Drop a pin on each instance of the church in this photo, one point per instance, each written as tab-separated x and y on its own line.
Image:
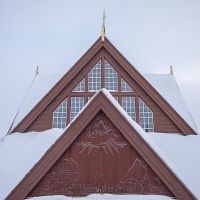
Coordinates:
96	130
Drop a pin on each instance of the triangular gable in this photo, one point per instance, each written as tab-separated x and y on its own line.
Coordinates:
135	135
99	48
100	160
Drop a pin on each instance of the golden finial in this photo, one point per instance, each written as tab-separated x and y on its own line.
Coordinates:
37	71
171	70
103	27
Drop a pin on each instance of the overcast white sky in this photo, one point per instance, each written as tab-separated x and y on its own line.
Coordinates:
53	34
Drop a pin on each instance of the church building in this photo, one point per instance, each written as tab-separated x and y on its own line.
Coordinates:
98	120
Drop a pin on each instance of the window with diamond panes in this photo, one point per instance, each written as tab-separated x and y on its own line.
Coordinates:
94	78
77	104
60	115
146	117
128	104
110	77
80	87
125	87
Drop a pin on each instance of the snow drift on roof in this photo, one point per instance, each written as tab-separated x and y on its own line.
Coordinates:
19	152
167	86
184	153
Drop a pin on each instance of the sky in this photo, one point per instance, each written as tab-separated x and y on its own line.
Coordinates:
53	34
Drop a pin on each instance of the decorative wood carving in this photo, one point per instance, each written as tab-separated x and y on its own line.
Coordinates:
100	160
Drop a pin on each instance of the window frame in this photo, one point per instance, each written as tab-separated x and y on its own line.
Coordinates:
119	94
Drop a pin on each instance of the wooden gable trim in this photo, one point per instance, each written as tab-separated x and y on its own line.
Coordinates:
150	90
42	104
147	87
98	103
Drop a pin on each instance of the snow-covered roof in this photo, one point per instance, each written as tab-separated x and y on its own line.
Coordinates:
165	84
39	88
183	154
21	151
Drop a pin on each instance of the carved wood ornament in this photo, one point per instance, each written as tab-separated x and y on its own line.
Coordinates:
100	160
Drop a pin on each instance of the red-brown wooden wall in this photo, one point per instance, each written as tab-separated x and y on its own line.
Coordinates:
100	160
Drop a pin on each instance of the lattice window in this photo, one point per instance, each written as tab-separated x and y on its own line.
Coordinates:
77	104
60	115
128	104
110	77
146	117
80	87
94	78
125	87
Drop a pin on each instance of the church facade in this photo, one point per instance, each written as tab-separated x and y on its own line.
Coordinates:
105	108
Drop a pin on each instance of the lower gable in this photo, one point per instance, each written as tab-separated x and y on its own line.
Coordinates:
100	160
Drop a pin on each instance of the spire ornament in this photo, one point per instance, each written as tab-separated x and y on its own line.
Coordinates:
37	71
103	32
171	70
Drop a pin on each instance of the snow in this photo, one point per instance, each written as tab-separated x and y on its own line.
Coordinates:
167	86
104	196
184	153
19	153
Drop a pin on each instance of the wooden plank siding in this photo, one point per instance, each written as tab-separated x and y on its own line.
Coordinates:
100	160
103	127
166	119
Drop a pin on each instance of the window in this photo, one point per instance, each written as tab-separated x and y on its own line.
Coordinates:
146	117
93	81
110	77
125	87
60	115
77	104
128	104
80	87
94	78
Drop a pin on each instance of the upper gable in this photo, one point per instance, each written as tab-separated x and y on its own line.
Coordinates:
157	115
